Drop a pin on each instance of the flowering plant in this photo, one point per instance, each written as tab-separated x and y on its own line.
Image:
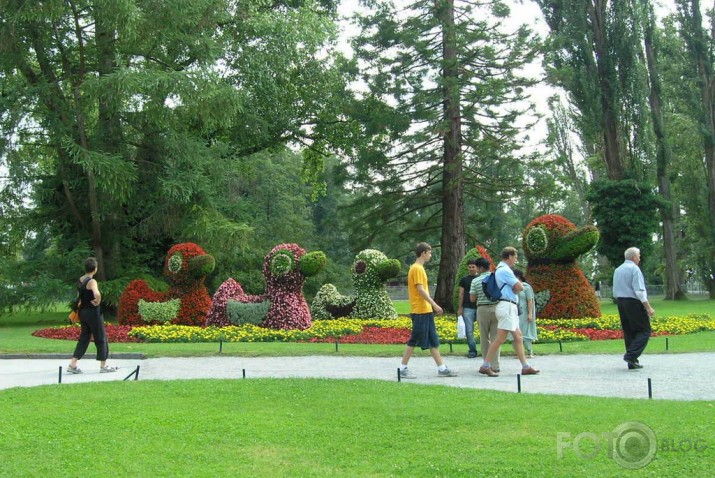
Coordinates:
185	267
378	331
285	268
552	244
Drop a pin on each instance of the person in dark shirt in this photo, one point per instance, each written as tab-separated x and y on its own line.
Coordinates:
468	308
91	321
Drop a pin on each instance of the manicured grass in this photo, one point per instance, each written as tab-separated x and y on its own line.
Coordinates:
318	428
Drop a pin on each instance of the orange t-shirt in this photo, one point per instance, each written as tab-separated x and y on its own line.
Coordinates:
417	275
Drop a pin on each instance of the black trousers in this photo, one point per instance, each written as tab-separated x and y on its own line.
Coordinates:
636	327
92	326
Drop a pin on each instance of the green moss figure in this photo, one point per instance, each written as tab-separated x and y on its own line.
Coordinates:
370	270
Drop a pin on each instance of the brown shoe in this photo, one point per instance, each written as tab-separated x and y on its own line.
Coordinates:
529	371
488	372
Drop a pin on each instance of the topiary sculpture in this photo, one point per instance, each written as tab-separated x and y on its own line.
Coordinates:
282	306
185	303
552	244
370	270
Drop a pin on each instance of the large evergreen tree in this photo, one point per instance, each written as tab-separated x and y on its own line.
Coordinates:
443	102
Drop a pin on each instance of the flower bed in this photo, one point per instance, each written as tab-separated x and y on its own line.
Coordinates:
376	331
115	333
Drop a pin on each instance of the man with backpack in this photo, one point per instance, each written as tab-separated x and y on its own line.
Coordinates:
507	314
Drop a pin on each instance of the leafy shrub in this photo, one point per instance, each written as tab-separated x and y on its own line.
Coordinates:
161	312
240	313
312	263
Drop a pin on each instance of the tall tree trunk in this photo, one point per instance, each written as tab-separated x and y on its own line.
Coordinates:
77	78
611	143
109	127
673	290
700	50
452	240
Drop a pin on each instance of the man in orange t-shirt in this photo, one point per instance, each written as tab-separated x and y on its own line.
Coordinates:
422	309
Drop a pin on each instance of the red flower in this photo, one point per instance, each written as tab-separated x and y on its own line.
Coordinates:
373	335
115	333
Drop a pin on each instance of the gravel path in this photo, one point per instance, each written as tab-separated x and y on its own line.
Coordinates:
672	376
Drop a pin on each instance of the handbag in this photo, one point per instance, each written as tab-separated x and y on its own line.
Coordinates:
461	328
74	317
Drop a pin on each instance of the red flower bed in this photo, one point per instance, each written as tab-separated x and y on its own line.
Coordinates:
115	333
598	334
373	335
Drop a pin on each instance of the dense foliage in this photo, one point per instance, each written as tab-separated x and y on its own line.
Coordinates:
625	212
130	126
126	127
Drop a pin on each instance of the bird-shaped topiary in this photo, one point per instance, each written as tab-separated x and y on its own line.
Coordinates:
185	303
552	244
370	270
283	305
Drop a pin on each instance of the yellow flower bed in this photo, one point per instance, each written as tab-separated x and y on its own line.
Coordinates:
446	329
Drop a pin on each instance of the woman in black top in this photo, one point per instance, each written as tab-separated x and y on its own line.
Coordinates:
91	320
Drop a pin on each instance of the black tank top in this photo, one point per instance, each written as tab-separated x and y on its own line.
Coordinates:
86	295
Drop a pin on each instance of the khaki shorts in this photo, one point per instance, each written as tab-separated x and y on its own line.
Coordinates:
507	316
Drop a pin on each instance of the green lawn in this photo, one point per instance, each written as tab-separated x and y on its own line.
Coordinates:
320	428
316	428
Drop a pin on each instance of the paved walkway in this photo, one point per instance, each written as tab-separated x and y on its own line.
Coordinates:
673	376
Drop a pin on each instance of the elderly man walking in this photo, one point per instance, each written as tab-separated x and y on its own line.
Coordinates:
633	306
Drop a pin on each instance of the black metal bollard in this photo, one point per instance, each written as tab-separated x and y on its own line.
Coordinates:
518	383
135	373
60	377
650	389
561	348
399	378
244	373
666	343
450	347
336	345
220	346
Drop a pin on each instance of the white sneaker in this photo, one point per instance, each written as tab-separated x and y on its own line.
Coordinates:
107	369
406	373
74	370
447	373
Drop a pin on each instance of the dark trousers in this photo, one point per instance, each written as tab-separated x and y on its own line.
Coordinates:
636	327
92	326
